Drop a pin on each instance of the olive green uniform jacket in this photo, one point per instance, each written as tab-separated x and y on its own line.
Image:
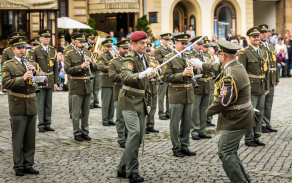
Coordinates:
130	100
115	68
103	65
12	73
256	66
172	72
230	119
72	66
7	54
47	62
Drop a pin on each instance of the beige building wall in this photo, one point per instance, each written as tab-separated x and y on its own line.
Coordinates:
78	10
249	14
154	6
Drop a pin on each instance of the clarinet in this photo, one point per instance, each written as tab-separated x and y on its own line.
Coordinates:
90	74
37	90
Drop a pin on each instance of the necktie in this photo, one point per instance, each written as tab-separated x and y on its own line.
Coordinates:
259	52
267	46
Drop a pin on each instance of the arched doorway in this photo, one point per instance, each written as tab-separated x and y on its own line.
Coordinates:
224	19
179	17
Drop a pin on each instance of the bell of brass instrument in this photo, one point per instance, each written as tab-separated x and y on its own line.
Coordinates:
112	54
101	37
37	90
85	48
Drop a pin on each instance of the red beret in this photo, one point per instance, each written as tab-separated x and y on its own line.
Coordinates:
138	35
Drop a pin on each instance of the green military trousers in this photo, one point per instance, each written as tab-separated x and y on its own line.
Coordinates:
199	114
135	124
162	93
150	116
69	101
211	100
80	110
23	140
253	134
44	100
120	125
266	122
180	124
227	151
108	107
94	99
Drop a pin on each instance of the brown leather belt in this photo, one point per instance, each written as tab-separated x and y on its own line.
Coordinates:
238	107
118	83
103	73
273	69
73	77
180	85
204	79
49	73
22	95
133	89
256	76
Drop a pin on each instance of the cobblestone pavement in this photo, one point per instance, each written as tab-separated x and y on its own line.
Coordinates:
61	159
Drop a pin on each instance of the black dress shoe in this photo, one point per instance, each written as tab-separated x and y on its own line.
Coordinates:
86	137
122	145
70	116
167	117
207	124
188	152
112	123
49	129
265	130
195	137
31	170
105	124
135	177
152	130
178	154
205	136
251	144
78	138
123	175
210	123
19	172
91	106
271	129
146	131
96	106
259	143
162	118
42	130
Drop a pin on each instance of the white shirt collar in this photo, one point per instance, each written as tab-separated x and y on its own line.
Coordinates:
18	59
256	49
45	48
229	63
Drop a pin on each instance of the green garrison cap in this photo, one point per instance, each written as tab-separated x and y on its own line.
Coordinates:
91	35
182	37
123	44
45	32
196	38
79	37
166	36
148	48
264	27
254	31
107	42
14	35
227	47
206	43
34	41
18	41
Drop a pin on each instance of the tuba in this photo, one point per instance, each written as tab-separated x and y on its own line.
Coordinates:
101	37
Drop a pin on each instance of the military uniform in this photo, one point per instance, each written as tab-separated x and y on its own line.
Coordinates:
33	42
255	63
115	67
7	53
94	99
274	79
134	97
202	97
236	113
22	110
80	89
181	99
159	54
106	85
47	60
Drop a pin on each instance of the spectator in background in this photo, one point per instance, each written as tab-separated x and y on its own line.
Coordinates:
157	42
176	31
150	40
61	46
274	32
111	36
213	43
289	49
60	61
233	36
123	38
244	42
271	38
281	56
121	34
240	40
191	32
130	32
277	39
280	45
287	36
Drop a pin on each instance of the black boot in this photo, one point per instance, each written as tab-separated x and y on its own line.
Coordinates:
135	177
152	130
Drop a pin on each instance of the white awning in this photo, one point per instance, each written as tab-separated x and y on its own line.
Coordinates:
68	23
113	6
28	4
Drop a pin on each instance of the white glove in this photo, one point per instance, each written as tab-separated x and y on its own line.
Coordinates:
256	110
87	59
148	109
149	71
196	62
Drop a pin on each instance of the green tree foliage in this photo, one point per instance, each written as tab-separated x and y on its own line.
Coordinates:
91	23
143	25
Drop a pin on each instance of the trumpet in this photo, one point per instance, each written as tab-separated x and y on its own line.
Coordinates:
194	77
37	90
85	48
112	54
157	74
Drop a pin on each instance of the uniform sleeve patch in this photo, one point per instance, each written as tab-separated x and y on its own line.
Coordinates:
130	66
4	73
